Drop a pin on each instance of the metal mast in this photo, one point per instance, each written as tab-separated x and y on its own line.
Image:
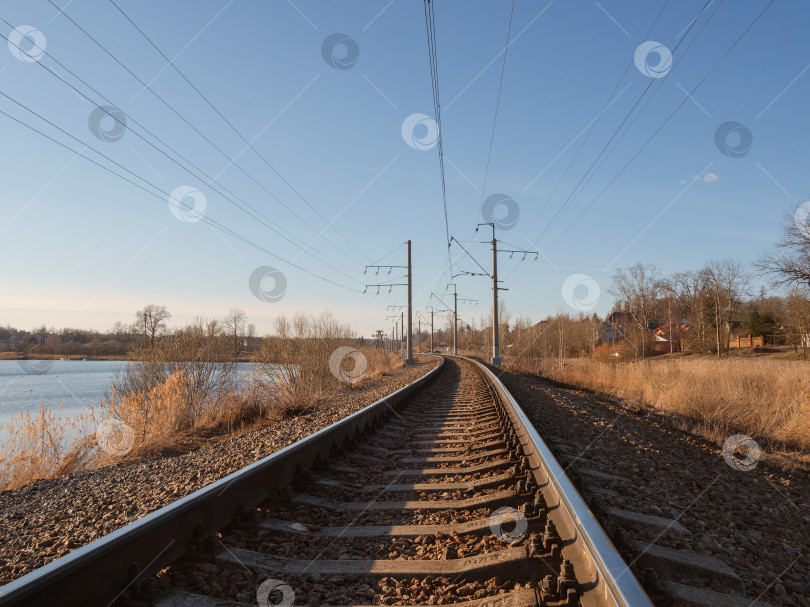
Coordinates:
409	359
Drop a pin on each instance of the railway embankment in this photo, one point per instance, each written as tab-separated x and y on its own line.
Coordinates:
49	518
735	502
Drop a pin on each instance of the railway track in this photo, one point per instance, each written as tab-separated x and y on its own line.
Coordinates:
441	493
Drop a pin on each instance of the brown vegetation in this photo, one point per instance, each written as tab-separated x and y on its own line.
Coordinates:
766	399
43	446
297	364
188	383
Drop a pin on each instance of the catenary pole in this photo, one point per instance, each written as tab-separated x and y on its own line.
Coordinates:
409	336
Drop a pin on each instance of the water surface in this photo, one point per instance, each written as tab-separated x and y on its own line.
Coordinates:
76	385
25	385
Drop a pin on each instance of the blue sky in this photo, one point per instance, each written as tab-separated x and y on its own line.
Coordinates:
82	247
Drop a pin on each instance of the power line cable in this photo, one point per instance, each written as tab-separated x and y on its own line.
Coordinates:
652	96
203	218
391	252
263	221
242	137
608	101
646	103
663	124
572	196
430	24
174	110
470	256
497	103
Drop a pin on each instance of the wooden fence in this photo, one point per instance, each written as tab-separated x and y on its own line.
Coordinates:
761	341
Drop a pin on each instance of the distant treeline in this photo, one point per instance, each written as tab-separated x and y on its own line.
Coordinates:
124	340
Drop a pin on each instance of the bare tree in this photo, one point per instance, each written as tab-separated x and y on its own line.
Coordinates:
689	290
54	343
234	324
727	283
119	329
789	264
151	321
637	288
200	353
797	317
294	363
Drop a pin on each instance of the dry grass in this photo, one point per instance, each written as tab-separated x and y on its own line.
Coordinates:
163	417
43	446
149	422
766	399
297	386
380	362
302	363
153	414
164	421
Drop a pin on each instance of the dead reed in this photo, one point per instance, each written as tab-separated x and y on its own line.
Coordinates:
158	404
768	400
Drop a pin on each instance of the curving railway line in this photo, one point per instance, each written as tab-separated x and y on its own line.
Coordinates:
441	493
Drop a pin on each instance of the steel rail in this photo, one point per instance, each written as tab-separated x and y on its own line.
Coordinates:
103	571
615	582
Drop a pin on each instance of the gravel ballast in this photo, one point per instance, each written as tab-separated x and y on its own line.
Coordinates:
343	568
49	518
756	521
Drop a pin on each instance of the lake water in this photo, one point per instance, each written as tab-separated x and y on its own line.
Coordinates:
75	384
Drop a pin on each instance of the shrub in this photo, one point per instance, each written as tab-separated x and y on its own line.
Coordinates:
201	353
44	445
